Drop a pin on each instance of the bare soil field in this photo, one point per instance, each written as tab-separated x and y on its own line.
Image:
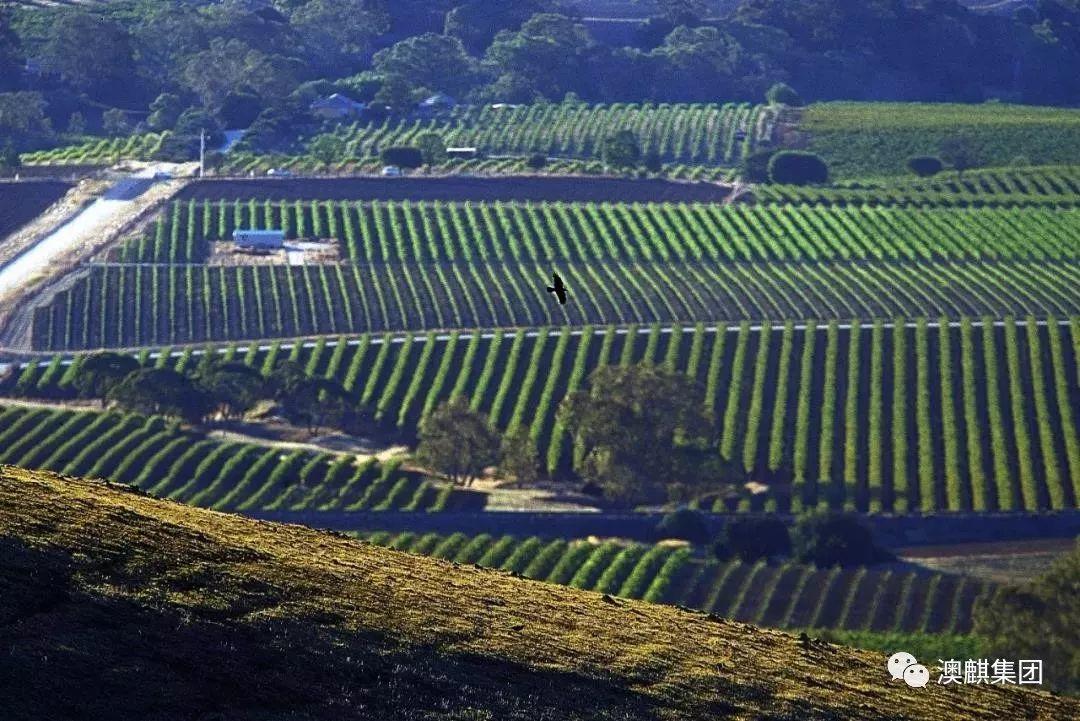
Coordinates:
22	201
457	188
1000	562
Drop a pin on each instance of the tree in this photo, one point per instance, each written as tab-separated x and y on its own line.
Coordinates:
164	112
22	118
430	61
959	152
76	123
314	402
645	435
476	22
925	166
114	122
239	109
195	120
751	539
537	161
326	148
621	149
826	538
432	148
161	391
653	162
227	66
783	94
1040	619
519	459
338	33
550	50
9	157
754	168
686	524
99	372
233	388
457	442
404	156
793	167
90	52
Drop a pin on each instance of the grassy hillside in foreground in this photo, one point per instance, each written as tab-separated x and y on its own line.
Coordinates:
872	139
117	604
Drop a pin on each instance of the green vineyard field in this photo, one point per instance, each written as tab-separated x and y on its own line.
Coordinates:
424	266
156	456
713	134
102	150
873	418
882	599
868	139
1049	187
513	231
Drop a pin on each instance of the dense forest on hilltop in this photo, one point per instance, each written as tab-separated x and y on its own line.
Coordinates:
139	65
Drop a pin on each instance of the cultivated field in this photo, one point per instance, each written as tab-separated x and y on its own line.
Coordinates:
883	599
432	265
157	456
101	151
867	139
22	201
706	134
901	418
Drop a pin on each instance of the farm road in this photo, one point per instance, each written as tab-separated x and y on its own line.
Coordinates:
175	351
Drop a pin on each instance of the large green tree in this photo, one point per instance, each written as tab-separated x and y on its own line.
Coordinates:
337	33
645	435
549	50
161	391
1039	620
429	61
457	442
90	52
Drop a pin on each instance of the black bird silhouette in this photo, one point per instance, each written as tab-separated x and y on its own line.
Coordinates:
558	289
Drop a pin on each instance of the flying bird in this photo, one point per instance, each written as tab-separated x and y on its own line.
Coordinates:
558	288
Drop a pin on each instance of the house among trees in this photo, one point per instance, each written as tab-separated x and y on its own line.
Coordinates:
437	103
336	106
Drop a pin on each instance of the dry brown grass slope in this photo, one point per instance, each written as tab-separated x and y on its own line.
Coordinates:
116	605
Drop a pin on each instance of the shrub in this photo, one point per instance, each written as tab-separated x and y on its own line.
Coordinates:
755	167
686	524
829	539
783	94
925	166
537	161
793	167
404	156
751	539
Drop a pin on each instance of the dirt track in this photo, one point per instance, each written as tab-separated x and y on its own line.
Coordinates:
457	188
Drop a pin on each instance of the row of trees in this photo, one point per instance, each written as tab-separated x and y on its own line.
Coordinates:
216	389
642	434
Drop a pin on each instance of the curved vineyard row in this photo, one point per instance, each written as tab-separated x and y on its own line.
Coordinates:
159	458
820	414
143	305
714	134
502	231
888	598
100	150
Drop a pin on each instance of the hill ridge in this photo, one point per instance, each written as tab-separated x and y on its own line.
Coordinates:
311	625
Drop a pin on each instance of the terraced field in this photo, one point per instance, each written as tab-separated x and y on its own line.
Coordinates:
888	598
158	457
969	415
712	134
420	266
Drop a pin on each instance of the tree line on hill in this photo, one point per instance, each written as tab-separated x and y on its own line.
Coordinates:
142	65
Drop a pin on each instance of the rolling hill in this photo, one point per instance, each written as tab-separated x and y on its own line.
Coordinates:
117	605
